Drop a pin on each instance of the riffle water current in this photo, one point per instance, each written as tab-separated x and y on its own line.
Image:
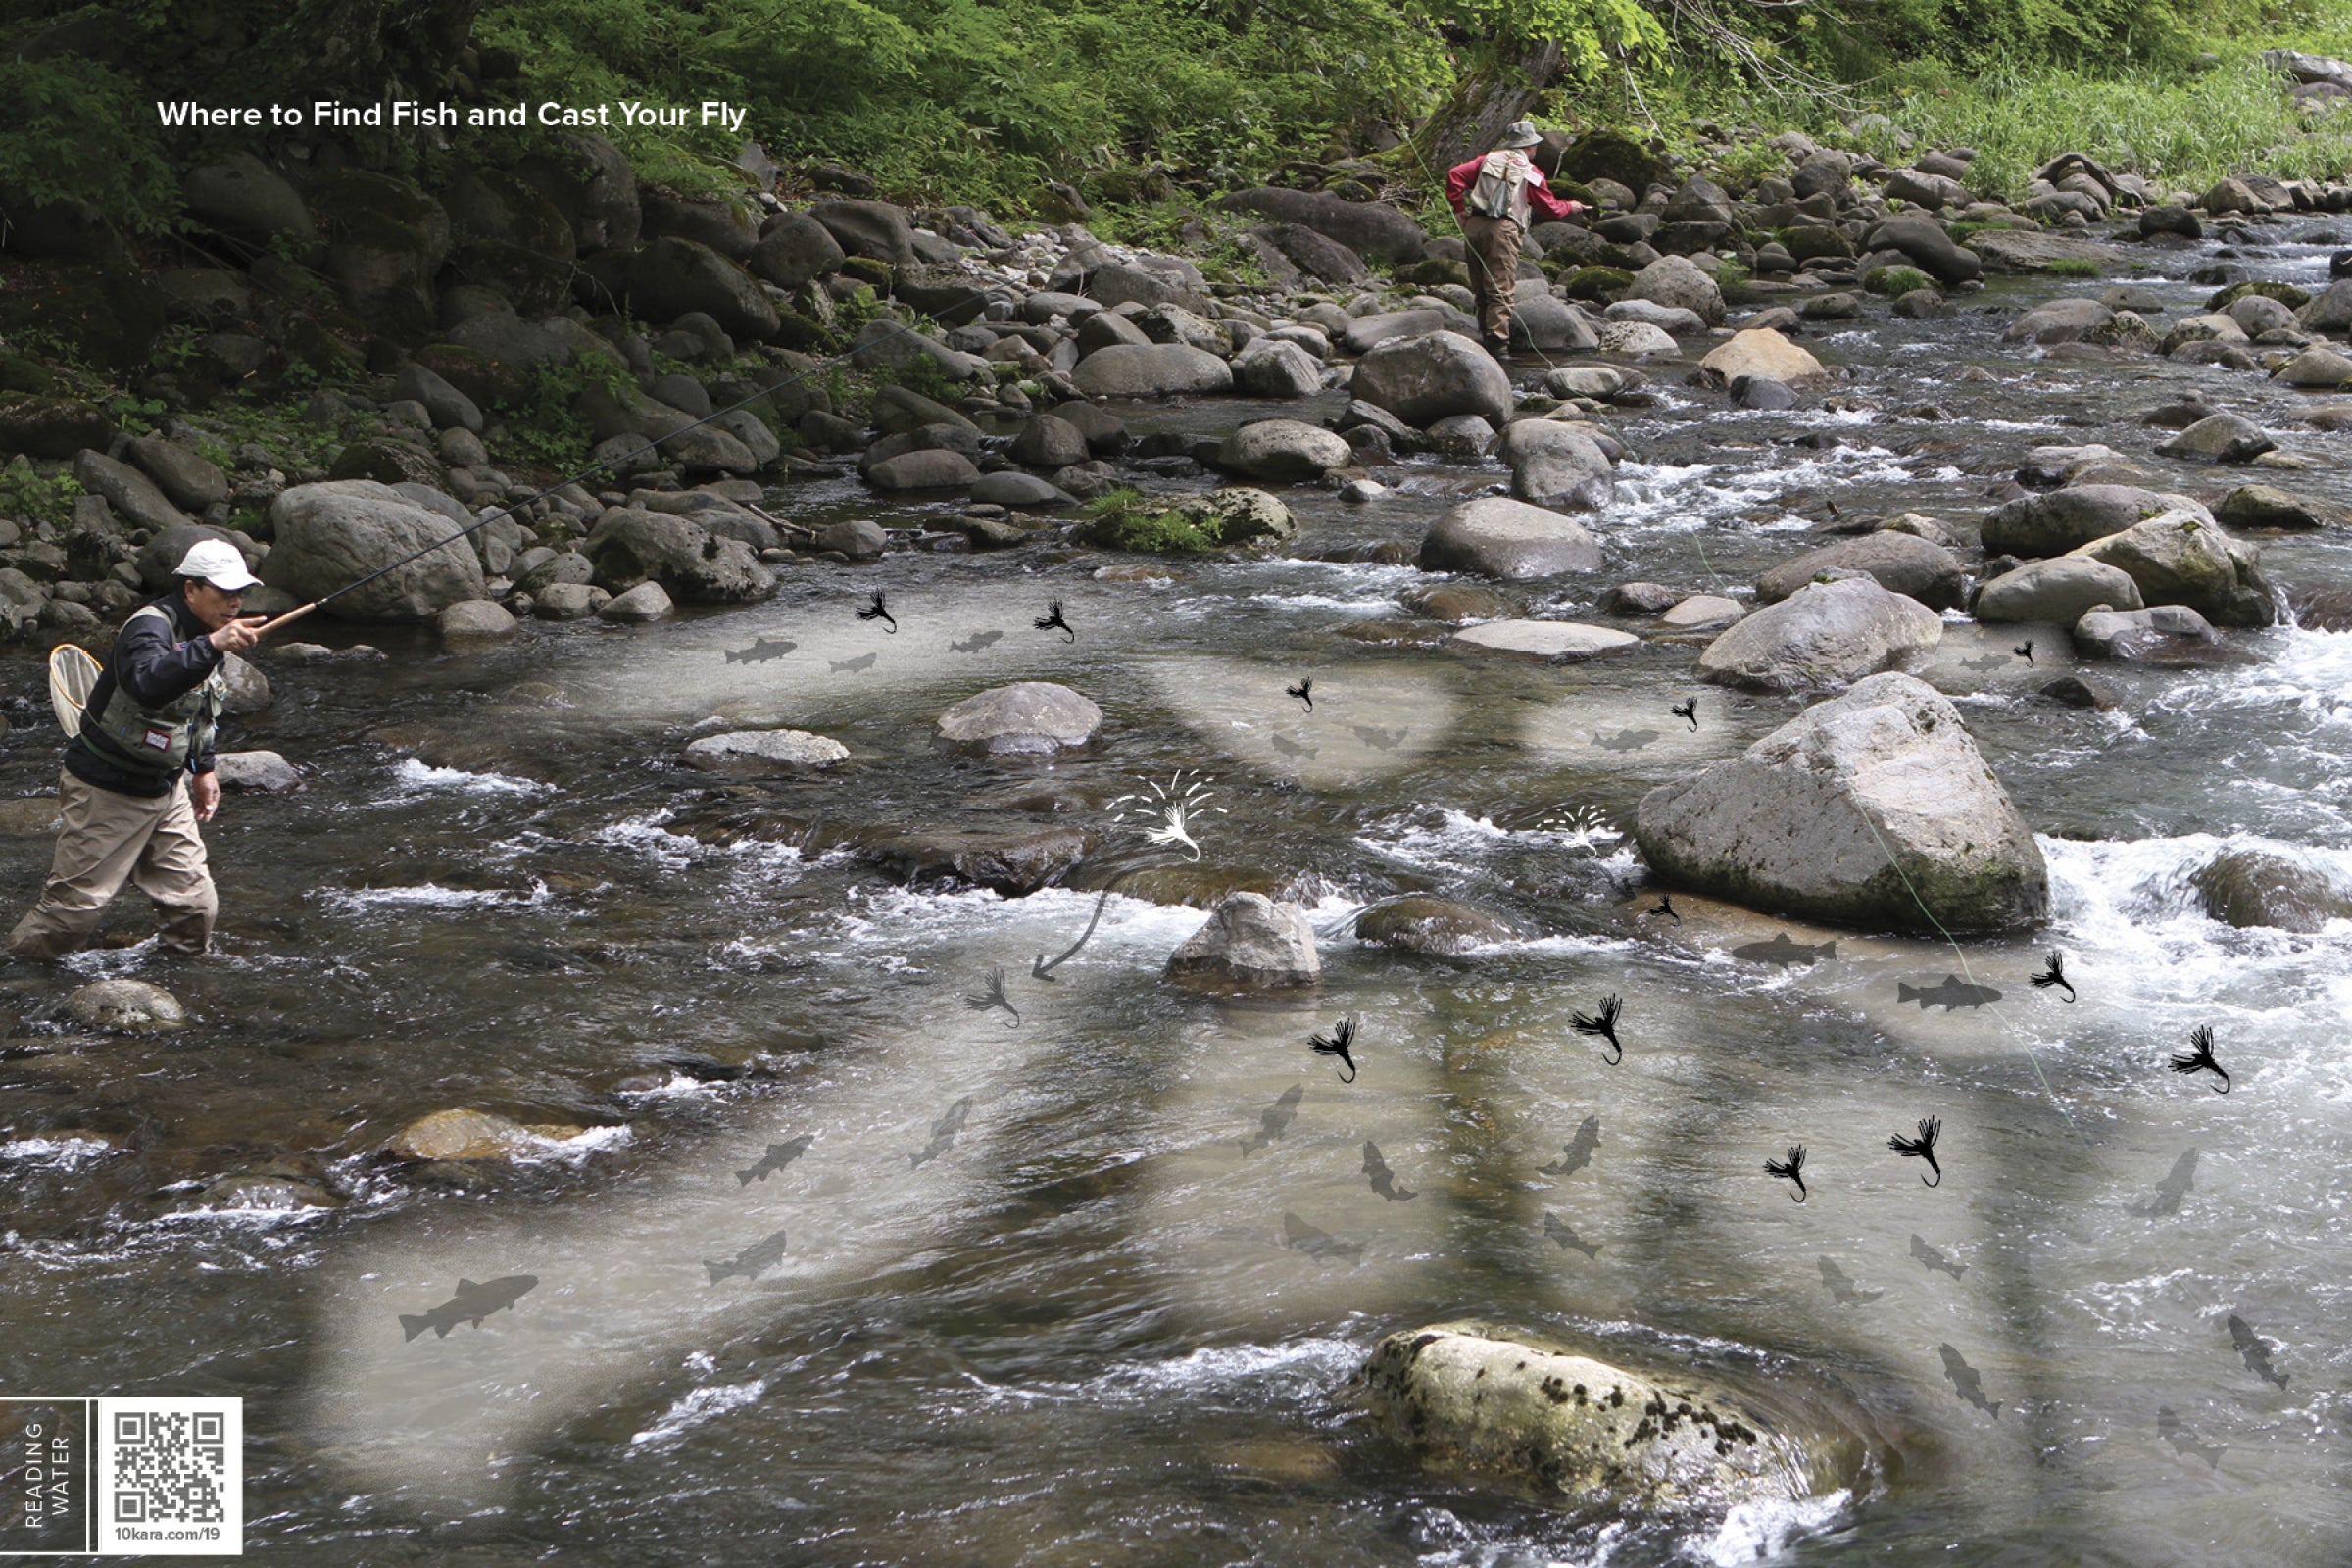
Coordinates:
1074	1333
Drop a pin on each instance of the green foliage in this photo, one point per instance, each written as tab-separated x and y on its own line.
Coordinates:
136	415
28	495
1897	281
546	430
75	131
1124	520
2073	266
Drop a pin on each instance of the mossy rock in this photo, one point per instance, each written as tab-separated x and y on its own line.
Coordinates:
1808	241
537	284
865	270
796	332
52	428
1613	155
1435	273
477	374
388	463
21	375
2286	294
387	239
1184	524
307	342
1596	284
105	317
1895	281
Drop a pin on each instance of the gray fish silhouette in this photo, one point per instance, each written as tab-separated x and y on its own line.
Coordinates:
1576	1155
1289	747
1275	1121
977	642
1780	950
2255	1351
2184	1442
944	1131
2171	1190
778	1157
1625	740
761	652
761	1255
1299	1235
1989	662
1951	995
1384	1180
1386	740
1966	1382
473	1303
1841	1286
1557	1229
1932	1258
860	662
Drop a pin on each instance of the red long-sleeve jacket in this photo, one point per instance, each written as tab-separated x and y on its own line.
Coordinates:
1539	199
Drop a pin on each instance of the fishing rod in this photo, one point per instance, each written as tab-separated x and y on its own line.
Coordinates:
300	610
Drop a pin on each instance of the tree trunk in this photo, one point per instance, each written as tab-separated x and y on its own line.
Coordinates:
1486	98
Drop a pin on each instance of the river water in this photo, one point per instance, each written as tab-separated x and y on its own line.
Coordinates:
1074	1333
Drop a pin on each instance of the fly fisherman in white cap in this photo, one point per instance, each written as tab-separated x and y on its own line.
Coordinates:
1493	197
140	774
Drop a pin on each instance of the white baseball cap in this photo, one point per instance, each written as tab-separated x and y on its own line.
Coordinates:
218	562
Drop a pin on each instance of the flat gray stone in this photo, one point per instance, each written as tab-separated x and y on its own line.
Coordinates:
1545	639
762	749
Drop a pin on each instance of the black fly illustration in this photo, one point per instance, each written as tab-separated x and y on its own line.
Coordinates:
1665	908
878	610
1688	711
1791	1169
2055	975
992	995
1305	691
1920	1147
1339	1043
2199	1058
1052	620
2025	649
1604	1026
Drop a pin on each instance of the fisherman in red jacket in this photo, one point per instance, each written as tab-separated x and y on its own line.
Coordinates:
1492	196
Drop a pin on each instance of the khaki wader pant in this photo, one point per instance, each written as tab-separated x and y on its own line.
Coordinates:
106	839
1493	271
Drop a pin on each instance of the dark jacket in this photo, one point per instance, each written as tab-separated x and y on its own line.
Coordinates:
154	665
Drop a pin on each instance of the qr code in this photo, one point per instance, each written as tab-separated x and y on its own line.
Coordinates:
170	1467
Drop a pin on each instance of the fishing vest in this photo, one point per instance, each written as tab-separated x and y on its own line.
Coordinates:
1501	190
154	740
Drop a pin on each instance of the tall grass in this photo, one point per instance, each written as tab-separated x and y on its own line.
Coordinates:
2179	130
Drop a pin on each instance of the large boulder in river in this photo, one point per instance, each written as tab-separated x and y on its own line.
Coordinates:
1804	821
1364	333
2061	589
1555	464
1929	245
2059	520
1250	939
1283	450
1372	229
1759	352
330	535
1496	537
2179	558
1824	634
1424	379
1477	1397
1900	563
1026	716
1150	370
126	1005
2253	886
630	545
1677	282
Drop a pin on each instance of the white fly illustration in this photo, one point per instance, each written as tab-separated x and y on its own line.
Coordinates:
1175	807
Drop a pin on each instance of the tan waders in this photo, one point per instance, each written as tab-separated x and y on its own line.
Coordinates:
1494	273
106	839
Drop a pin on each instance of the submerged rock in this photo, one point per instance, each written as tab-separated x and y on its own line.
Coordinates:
764	750
1030	716
1468	1395
473	1135
1419	923
1804	821
1250	939
1498	537
2259	888
1013	862
126	1005
266	772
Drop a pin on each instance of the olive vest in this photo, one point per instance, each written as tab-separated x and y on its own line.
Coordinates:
157	741
1501	190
